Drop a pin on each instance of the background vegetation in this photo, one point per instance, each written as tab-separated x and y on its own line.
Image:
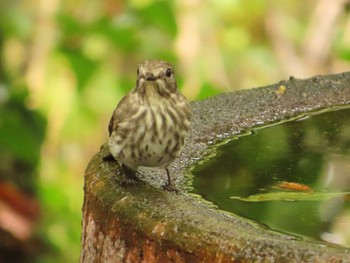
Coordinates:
64	65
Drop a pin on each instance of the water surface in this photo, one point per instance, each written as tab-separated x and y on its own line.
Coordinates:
305	158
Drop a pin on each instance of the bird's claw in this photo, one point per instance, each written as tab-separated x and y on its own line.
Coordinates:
170	188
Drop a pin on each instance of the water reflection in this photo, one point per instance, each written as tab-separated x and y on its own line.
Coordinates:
314	152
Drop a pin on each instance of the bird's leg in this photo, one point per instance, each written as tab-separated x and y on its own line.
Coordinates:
129	175
169	186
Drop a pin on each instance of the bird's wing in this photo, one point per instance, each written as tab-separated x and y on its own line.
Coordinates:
124	110
110	125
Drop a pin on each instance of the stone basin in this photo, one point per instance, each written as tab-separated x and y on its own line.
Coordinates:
142	223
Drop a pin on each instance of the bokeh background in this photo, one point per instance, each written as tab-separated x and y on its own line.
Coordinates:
64	65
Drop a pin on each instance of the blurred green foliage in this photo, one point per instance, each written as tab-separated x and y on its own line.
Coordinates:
66	64
22	134
22	129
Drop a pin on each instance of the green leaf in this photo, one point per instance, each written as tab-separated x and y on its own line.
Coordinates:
290	196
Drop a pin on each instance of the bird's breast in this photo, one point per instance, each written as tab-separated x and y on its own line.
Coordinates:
155	137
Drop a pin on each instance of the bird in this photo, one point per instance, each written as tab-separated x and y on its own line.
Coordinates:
149	125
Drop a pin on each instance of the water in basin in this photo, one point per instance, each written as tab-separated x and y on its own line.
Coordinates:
293	177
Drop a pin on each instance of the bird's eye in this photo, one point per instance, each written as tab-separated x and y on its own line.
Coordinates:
168	72
138	71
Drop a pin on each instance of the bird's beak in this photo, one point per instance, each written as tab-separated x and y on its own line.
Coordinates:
149	76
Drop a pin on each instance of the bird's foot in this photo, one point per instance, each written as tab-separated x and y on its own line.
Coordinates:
130	176
129	181
170	187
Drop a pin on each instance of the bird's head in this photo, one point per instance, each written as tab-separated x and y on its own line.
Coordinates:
156	76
